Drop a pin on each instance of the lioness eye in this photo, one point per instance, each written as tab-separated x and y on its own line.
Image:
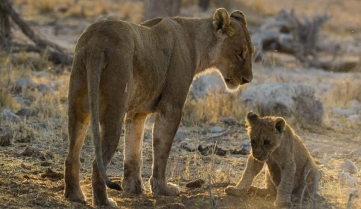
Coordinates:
266	142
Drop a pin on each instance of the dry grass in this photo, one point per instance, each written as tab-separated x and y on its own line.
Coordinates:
214	106
23	174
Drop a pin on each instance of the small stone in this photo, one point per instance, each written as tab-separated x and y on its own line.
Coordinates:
48	134
175	149
353	118
349	166
195	183
341	112
23	112
184	144
26	139
44	88
41	125
316	153
49	173
346	180
180	134
324	160
46	163
9	115
5	140
23	101
228	121
246	143
23	83
204	131
215	129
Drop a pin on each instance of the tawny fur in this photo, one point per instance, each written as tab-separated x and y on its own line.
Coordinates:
123	69
291	171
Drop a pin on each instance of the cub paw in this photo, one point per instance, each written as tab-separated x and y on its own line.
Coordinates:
109	202
233	191
166	190
283	204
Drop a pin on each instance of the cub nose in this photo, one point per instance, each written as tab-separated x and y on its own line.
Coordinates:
246	79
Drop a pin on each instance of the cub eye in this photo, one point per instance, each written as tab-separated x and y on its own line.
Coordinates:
240	55
253	142
266	142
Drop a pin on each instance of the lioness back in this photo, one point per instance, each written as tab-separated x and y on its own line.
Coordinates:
290	167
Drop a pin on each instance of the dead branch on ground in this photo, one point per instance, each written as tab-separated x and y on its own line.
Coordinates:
288	34
54	52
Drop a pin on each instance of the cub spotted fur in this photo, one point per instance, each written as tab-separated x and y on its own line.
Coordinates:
290	168
127	71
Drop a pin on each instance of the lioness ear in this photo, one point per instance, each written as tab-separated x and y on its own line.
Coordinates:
238	15
221	23
280	125
251	118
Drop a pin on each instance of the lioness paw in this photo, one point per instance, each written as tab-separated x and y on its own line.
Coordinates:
75	196
233	191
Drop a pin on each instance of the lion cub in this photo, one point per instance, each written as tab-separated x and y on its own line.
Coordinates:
290	168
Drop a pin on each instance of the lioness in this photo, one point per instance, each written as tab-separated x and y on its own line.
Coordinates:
290	168
123	69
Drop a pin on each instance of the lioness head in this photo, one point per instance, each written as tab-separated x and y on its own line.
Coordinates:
265	134
233	53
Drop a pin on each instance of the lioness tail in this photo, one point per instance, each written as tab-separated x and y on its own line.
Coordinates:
95	65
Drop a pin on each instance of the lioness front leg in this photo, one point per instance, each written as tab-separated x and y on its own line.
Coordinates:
253	167
165	127
284	190
134	131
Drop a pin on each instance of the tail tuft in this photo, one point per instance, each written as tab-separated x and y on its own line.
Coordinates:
113	185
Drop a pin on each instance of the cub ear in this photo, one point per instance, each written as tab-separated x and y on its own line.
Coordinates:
280	125
222	24
238	15
251	118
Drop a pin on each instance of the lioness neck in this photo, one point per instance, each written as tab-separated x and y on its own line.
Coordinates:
202	33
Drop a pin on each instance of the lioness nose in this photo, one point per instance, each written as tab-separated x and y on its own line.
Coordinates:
246	79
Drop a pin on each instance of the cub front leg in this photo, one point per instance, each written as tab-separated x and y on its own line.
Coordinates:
253	167
284	190
165	127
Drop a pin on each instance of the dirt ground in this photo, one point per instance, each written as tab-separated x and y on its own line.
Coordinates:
31	165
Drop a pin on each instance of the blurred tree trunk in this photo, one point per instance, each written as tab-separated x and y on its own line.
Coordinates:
161	8
204	4
5	29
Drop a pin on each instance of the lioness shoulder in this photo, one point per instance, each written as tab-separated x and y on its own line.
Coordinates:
291	171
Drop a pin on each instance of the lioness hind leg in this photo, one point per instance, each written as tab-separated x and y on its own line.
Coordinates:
134	131
112	110
78	115
111	128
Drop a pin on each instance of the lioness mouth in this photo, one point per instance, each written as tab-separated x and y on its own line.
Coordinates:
231	84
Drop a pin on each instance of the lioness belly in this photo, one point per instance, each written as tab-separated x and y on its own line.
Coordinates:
144	101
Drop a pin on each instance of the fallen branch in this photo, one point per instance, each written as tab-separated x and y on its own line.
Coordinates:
54	52
288	34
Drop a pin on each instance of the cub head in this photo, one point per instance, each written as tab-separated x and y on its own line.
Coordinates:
265	134
234	49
